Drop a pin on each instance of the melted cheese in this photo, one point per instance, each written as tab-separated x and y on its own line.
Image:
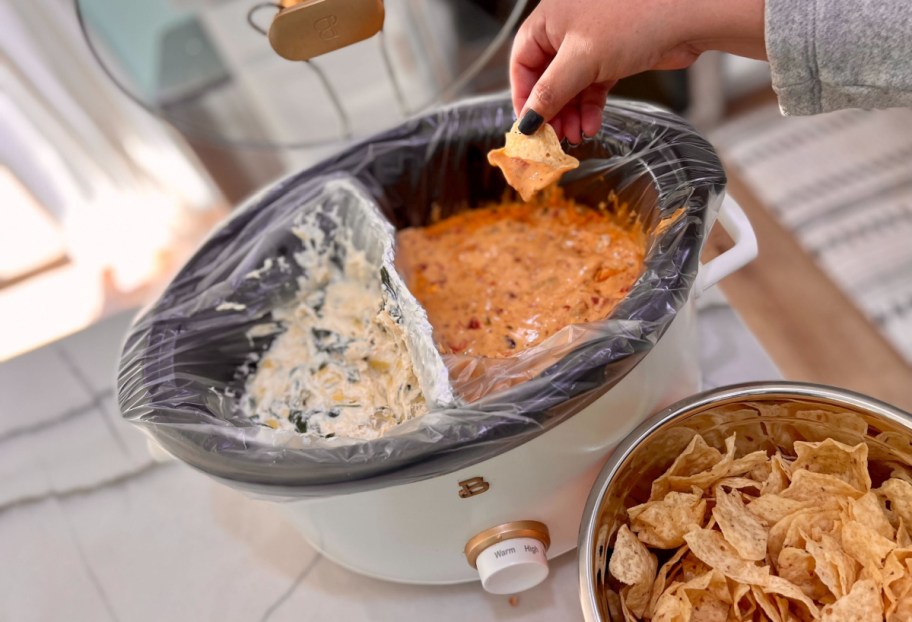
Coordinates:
499	279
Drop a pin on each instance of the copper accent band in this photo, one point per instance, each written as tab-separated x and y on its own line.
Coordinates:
507	531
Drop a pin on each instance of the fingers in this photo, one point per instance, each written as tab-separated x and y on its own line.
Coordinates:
529	57
582	117
557	84
592	102
563	79
522	79
570	116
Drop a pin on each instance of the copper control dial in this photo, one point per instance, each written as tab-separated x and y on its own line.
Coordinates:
511	557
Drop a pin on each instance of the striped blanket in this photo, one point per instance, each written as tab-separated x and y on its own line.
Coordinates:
842	182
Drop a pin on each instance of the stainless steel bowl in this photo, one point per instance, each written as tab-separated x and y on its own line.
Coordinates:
791	411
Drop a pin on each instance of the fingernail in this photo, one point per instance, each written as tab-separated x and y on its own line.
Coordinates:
530	122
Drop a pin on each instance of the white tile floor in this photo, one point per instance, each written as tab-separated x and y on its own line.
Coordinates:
39	387
92	353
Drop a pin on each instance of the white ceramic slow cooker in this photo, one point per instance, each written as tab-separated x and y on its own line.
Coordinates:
498	514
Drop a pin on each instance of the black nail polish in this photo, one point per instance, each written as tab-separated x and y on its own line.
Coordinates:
530	122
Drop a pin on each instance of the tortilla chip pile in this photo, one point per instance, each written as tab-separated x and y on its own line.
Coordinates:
760	538
532	163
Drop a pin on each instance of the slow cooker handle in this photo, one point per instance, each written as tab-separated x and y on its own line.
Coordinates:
735	222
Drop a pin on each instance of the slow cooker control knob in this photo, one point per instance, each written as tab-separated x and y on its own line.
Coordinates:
511	557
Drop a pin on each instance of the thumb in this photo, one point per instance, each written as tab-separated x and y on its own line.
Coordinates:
564	78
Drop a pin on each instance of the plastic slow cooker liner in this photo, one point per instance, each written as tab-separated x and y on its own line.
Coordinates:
182	359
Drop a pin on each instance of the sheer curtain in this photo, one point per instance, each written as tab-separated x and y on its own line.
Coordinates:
122	184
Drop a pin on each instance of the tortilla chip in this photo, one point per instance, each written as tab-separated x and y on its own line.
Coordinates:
779	477
872	573
835	568
672	606
901	611
862	604
848	463
896	577
868	511
532	163
719	588
899	495
662	524
812	524
726	466
696	458
747	484
900	470
703	582
819	489
773	508
629	615
706	607
692	566
903	539
797	566
709	596
759	473
766	604
796	528
782	587
864	544
739	527
613	602
704	598
658	586
737	591
748	463
743	603
632	564
715	551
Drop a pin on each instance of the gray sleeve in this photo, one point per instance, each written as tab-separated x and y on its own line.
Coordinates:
831	54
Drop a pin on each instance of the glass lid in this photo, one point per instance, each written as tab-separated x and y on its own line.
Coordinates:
298	73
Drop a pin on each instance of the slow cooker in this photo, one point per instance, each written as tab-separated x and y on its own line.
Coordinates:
489	489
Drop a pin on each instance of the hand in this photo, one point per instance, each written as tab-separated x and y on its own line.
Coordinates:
569	53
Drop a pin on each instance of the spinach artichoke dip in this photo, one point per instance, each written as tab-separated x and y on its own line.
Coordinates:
341	367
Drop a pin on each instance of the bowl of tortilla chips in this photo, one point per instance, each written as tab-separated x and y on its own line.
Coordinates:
764	501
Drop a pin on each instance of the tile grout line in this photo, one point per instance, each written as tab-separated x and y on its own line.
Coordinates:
61	418
84	560
84	382
79	491
284	596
